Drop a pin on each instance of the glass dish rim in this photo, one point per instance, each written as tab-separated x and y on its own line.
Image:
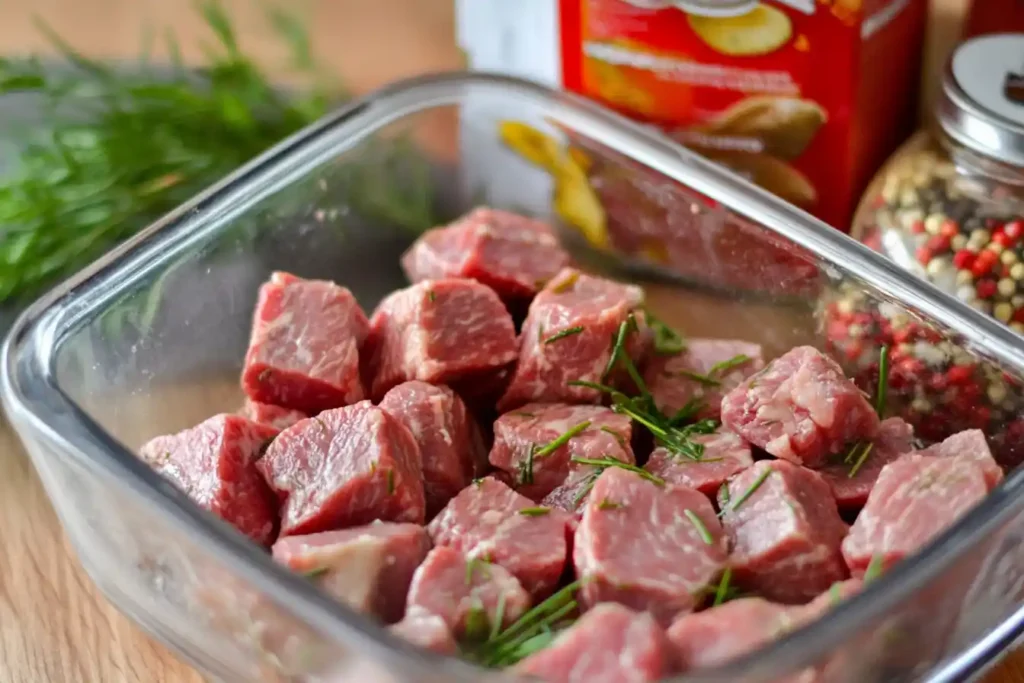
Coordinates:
32	395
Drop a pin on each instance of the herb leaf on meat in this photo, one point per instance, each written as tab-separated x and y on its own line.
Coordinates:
667	341
473	565
562	334
606	462
862	457
722	593
538	511
702	529
525	469
882	389
754	486
316	573
562	439
874	569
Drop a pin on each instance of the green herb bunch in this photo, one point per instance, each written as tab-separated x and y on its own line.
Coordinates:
116	149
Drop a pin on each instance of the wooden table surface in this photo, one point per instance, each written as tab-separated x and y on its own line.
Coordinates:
54	626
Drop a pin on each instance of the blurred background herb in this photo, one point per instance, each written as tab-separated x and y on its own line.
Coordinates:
116	148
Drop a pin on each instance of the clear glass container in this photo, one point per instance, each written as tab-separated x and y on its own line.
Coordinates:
150	340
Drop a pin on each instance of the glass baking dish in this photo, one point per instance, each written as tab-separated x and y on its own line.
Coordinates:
150	340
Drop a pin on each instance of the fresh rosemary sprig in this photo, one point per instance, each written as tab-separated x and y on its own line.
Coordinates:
562	334
750	490
859	452
667	341
698	524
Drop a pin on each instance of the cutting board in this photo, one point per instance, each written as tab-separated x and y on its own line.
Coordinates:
54	625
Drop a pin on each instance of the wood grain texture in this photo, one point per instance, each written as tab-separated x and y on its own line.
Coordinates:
54	626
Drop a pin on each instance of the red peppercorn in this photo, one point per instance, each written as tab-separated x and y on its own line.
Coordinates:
949	228
917	227
938	382
1018	316
983	264
986	289
982	414
964	259
924	256
960	374
938	244
1014	230
1002	239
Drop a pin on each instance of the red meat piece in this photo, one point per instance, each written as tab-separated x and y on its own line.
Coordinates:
451	446
785	531
724	455
273	416
467	594
895	437
512	254
609	644
705	371
567	336
596	432
723	633
213	463
830	599
345	467
915	498
368	568
800	408
970	444
454	332
649	547
426	631
304	349
487	521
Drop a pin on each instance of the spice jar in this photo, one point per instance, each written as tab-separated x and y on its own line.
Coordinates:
949	207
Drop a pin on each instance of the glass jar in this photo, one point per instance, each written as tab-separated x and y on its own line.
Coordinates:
949	207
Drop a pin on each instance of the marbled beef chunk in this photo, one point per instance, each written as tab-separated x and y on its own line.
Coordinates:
785	531
800	408
915	498
895	437
452	449
273	416
343	468
647	546
368	568
568	336
454	331
213	463
304	349
973	445
724	455
490	521
512	254
705	371
608	644
523	440
426	631
468	594
720	634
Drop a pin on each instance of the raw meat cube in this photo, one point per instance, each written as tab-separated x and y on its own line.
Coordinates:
490	521
213	463
368	568
785	531
915	498
895	437
609	644
724	455
346	467
452	449
273	416
427	631
836	594
800	408
304	349
454	332
971	444
512	254
466	593
523	441
569	335
705	371
650	547
723	633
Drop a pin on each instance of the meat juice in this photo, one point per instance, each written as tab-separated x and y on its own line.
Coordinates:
784	92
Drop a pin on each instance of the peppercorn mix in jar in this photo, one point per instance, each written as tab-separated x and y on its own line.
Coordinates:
949	207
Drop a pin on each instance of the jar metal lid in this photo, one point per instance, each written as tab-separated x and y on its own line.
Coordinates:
982	102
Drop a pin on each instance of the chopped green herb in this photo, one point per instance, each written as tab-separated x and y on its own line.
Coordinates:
499	617
618	437
607	504
750	490
723	587
478	625
373	466
478	482
566	283
472	565
431	296
875	568
883	381
526	467
391	482
607	462
702	530
588	484
316	573
562	439
723	495
667	342
538	511
706	380
562	334
722	367
618	349
540	333
834	594
861	459
687	412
